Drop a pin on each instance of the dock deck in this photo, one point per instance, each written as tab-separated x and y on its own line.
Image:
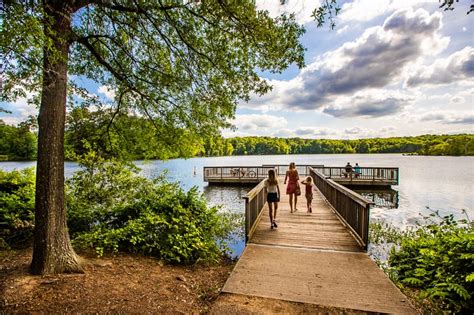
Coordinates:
312	258
364	176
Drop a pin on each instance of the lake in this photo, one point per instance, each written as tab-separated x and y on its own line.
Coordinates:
438	182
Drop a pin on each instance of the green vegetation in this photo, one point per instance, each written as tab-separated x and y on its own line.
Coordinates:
435	261
111	208
17	143
183	65
17	203
133	138
136	138
424	145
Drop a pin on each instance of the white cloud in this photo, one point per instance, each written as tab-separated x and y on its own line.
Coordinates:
301	8
372	61
342	30
20	110
107	91
353	130
366	10
459	66
255	122
449	117
370	103
464	29
387	129
314	132
457	99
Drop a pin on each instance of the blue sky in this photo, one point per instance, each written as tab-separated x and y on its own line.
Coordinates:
389	68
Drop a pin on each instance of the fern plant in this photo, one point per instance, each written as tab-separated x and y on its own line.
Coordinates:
438	260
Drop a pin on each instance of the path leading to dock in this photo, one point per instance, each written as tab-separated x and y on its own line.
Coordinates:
312	258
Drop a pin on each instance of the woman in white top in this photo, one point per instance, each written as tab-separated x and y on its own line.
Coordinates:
273	196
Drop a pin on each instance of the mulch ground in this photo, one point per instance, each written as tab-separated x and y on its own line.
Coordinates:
115	284
130	284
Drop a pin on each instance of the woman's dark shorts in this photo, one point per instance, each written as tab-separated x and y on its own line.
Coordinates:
272	197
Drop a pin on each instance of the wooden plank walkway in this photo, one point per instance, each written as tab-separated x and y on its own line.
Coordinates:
312	258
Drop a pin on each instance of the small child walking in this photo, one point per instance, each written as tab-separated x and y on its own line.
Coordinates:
273	196
308	182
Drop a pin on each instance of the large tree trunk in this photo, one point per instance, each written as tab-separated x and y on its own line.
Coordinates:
52	250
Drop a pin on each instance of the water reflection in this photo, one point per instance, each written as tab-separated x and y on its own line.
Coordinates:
387	199
230	198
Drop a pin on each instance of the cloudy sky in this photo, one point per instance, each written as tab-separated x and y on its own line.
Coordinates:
389	68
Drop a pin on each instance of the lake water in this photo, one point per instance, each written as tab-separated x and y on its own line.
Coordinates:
440	183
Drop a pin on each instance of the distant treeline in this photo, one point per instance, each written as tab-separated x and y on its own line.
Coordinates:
132	137
462	144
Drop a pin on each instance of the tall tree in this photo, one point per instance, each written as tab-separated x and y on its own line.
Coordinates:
182	64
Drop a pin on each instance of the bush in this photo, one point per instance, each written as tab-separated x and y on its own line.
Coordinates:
436	260
111	208
17	204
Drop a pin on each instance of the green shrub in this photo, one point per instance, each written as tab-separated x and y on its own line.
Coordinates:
111	208
17	204
436	260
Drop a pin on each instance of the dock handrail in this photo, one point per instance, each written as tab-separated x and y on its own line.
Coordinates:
256	173
303	170
352	208
363	173
254	202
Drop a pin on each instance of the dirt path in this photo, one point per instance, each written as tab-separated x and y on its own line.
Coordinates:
121	284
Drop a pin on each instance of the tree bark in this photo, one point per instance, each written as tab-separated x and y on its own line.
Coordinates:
52	250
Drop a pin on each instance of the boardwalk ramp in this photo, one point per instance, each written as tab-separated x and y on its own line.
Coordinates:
313	258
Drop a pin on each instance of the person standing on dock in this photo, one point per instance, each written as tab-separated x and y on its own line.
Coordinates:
357	170
293	186
308	182
273	197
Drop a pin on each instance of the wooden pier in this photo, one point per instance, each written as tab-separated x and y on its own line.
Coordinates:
317	258
364	176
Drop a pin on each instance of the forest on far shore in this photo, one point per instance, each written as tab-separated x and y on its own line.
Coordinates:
136	138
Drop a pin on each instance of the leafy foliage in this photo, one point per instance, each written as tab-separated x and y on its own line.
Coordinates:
448	5
436	259
328	10
124	136
17	202
111	208
18	143
182	64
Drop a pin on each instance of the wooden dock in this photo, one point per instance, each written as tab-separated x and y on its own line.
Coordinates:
364	176
312	258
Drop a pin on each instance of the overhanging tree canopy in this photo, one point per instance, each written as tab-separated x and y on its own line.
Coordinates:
183	64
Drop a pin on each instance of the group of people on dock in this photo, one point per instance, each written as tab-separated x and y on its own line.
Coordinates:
349	170
293	189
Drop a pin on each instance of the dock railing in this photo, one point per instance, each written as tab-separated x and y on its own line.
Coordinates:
254	202
255	173
352	208
303	170
363	173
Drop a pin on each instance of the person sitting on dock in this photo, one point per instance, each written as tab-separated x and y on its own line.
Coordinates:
293	186
273	197
348	169
357	170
